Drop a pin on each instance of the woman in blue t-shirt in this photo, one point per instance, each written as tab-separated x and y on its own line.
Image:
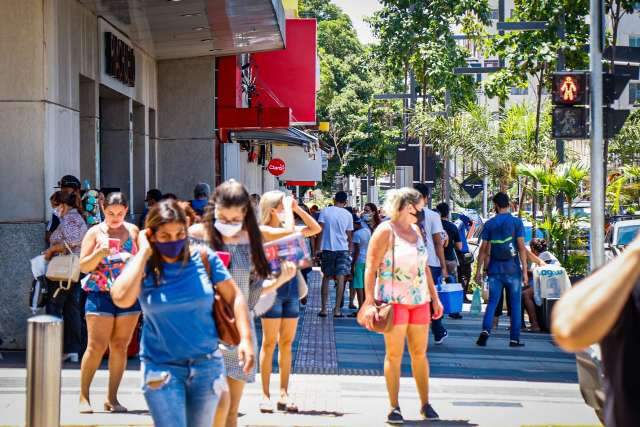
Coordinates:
183	370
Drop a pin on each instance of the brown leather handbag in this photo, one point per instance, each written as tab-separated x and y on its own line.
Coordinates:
384	309
223	313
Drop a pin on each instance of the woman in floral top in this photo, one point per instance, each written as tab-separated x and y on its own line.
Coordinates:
105	250
68	236
397	272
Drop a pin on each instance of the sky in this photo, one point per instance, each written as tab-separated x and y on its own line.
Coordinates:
357	11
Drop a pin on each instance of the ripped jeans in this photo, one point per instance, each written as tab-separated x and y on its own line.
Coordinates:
186	393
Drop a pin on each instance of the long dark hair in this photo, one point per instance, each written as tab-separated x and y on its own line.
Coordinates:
376	214
165	212
233	194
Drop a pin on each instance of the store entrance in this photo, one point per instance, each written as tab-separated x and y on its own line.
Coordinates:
115	141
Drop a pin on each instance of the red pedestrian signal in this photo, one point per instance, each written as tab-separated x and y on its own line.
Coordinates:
570	88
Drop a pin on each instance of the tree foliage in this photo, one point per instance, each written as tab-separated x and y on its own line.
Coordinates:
349	77
528	53
417	35
624	149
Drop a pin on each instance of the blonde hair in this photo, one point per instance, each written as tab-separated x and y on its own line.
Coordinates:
397	200
269	200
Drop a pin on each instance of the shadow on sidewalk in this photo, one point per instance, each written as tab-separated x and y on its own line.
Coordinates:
441	423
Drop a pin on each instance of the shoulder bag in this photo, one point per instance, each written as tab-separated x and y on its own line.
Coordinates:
64	268
223	314
384	309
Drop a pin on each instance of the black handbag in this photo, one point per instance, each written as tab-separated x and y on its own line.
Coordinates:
39	295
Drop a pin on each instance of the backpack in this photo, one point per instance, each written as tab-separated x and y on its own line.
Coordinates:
504	249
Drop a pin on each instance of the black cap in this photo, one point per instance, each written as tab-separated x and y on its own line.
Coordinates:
153	194
69	181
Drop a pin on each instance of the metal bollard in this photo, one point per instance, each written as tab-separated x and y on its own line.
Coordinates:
44	363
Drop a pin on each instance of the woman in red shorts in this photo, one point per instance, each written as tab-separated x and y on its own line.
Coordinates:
397	272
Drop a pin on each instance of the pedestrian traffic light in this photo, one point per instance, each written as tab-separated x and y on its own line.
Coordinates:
569	123
570	88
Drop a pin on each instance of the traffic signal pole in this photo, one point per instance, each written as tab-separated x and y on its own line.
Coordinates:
597	149
560	64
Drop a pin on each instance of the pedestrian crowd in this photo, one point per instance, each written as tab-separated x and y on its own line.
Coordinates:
199	273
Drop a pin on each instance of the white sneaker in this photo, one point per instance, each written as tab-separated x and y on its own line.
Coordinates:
71	357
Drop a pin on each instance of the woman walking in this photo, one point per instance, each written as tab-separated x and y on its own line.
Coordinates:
280	322
67	296
183	371
397	273
371	216
105	249
230	225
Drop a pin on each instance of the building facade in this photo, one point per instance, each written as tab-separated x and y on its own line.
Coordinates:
120	94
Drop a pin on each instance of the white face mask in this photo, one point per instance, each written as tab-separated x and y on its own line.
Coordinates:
366	217
228	230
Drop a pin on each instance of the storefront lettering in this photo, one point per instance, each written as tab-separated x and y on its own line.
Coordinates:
120	60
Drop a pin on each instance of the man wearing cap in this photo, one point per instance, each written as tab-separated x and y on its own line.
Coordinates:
200	198
153	196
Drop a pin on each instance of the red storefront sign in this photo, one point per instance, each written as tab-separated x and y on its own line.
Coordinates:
276	167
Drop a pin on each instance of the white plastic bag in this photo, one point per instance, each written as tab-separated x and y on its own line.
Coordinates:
38	266
550	281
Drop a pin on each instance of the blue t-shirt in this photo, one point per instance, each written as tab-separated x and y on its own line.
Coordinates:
463	229
178	312
362	237
501	227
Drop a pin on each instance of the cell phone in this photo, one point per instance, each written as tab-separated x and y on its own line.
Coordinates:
114	246
225	257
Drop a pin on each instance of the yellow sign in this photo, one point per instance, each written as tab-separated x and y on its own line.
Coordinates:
324	126
290	8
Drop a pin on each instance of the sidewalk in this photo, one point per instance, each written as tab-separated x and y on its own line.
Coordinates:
338	381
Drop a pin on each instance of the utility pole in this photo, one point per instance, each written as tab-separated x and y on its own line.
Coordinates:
446	175
369	192
560	65
597	150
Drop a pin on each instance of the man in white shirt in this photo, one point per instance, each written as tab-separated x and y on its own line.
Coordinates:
335	244
431	227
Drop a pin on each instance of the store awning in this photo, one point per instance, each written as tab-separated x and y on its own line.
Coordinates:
291	136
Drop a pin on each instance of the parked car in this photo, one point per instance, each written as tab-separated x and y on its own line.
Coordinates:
619	235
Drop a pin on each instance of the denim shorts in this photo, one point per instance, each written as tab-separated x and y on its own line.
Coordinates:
284	308
335	263
101	304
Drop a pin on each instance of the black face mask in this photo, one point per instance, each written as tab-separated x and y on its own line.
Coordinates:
419	214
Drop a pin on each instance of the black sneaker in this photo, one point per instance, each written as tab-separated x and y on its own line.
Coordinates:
516	343
428	413
482	339
441	338
395	416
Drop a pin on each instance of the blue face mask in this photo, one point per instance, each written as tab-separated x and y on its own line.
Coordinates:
170	249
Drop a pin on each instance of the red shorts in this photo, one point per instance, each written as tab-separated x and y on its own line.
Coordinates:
412	314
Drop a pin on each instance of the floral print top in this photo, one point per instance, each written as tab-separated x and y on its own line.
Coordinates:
402	276
108	270
71	231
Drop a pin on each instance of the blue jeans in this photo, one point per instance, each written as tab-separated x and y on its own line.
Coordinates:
186	393
513	284
437	328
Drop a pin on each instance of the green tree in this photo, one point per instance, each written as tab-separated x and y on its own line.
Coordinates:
417	35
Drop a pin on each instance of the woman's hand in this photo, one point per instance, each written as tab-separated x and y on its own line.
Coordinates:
102	248
246	355
288	271
48	254
438	309
143	242
370	315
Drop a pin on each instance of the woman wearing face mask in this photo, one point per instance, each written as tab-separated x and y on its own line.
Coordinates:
67	236
371	216
183	370
397	273
105	249
230	225
279	324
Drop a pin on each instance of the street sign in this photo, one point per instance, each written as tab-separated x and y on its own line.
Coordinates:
276	167
475	70
569	122
472	185
569	88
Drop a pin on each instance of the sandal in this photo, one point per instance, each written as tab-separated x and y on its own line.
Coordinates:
115	409
85	408
266	407
287	406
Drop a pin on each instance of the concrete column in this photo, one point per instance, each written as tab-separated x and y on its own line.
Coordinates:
186	150
115	143
140	158
89	132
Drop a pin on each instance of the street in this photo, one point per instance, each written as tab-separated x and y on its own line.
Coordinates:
338	381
